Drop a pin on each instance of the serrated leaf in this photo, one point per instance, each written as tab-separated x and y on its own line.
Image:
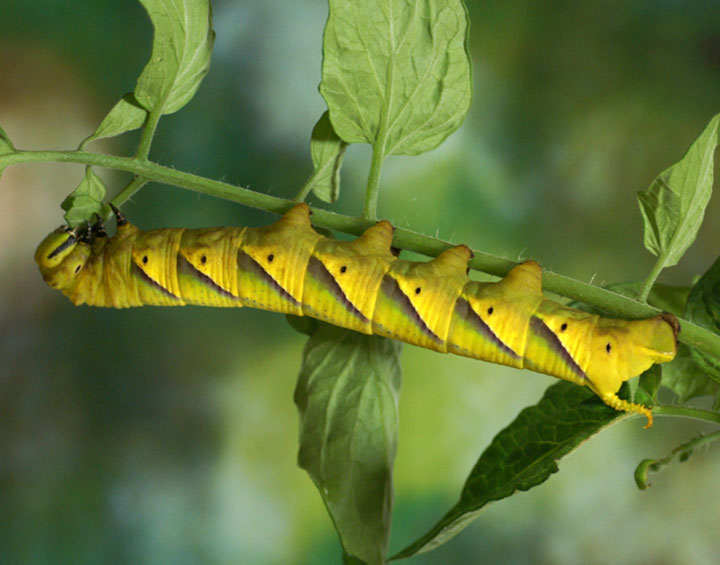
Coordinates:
347	395
85	201
180	59
522	456
396	73
703	308
126	115
674	205
182	44
327	151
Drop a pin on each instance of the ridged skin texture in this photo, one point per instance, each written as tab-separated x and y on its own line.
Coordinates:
360	285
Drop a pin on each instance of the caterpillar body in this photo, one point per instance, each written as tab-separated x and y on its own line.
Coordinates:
360	285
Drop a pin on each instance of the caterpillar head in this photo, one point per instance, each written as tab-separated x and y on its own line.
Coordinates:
61	257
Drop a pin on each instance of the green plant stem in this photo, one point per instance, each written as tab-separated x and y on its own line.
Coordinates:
650	280
373	184
682	451
148	132
131	188
306	188
686	412
372	189
610	302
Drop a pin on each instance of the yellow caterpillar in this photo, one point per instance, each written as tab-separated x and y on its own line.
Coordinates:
288	267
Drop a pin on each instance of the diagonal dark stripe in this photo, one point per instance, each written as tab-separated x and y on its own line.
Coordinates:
63	246
244	261
392	290
317	269
186	267
152	282
465	311
540	329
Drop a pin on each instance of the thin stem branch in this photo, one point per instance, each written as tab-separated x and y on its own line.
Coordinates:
131	188
610	302
306	188
686	412
148	132
372	189
682	451
650	280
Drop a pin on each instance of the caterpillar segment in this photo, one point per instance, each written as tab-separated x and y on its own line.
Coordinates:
360	285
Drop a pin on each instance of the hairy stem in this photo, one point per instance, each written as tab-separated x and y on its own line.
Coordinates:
686	412
131	188
148	132
610	302
306	188
372	190
373	184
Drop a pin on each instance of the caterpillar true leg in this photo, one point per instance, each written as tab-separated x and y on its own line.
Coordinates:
119	217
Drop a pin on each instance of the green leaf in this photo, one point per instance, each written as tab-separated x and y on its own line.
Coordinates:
703	308
666	297
347	395
126	115
327	151
85	201
522	456
685	378
647	386
180	58
669	298
396	73
674	205
302	324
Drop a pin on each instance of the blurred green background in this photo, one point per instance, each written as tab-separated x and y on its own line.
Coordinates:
169	435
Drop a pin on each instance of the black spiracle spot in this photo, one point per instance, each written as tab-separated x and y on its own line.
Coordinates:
77	269
490	310
343	269
563	327
203	259
270	258
417	290
608	347
145	259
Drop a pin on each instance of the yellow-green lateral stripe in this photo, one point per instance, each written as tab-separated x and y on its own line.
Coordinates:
394	293
316	269
249	264
186	268
465	311
540	329
137	270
